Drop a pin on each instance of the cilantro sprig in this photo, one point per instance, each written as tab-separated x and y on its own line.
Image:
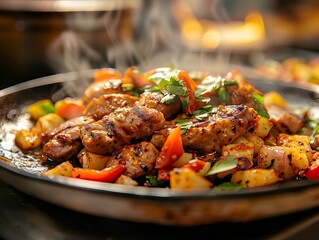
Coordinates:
259	100
218	83
185	125
226	164
169	85
204	112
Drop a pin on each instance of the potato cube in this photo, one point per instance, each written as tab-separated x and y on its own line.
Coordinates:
28	139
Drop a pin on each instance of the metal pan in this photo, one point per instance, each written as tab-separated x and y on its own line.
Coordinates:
140	204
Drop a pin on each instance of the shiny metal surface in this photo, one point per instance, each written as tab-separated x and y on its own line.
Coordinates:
68	5
139	204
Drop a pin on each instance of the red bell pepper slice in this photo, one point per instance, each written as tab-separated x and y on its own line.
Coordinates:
163	173
195	164
70	110
109	174
312	172
171	150
191	87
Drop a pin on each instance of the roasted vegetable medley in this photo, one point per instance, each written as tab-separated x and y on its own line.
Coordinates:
177	129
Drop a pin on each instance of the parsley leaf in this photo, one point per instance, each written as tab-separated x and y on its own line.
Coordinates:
204	112
184	125
259	101
228	186
168	98
154	181
226	164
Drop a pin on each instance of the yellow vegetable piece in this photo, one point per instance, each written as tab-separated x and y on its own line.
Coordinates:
186	179
63	169
28	139
255	177
275	98
48	122
41	108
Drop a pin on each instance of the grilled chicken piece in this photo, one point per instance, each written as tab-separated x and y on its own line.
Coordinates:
99	88
108	103
139	159
79	121
219	129
122	127
60	151
153	100
64	140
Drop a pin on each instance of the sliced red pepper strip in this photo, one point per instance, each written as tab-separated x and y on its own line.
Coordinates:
171	150
312	172
70	110
109	174
191	87
163	173
195	164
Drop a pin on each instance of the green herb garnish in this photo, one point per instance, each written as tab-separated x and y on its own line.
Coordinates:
228	186
222	95
128	86
226	164
204	112
259	100
184	125
155	182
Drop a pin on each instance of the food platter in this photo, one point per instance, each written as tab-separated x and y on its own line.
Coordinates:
140	204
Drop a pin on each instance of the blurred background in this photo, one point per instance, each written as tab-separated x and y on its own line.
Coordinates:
274	38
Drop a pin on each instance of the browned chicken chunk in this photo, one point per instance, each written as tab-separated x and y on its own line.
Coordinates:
139	158
153	100
122	127
99	88
108	103
65	139
219	129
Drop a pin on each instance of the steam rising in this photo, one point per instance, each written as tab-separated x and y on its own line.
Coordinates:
152	39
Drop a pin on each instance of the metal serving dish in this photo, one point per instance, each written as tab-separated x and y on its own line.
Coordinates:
140	204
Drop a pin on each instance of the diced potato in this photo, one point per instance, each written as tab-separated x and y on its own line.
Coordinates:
299	159
41	108
185	158
241	140
239	150
274	98
300	141
63	169
92	160
126	180
263	127
255	177
186	179
28	139
256	140
48	122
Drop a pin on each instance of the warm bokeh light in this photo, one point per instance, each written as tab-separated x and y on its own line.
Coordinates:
209	34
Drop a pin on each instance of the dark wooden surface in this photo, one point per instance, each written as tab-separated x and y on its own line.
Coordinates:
24	217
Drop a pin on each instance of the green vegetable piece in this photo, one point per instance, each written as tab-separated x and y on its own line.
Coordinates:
222	95
184	125
47	108
259	100
228	186
314	133
228	163
155	182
